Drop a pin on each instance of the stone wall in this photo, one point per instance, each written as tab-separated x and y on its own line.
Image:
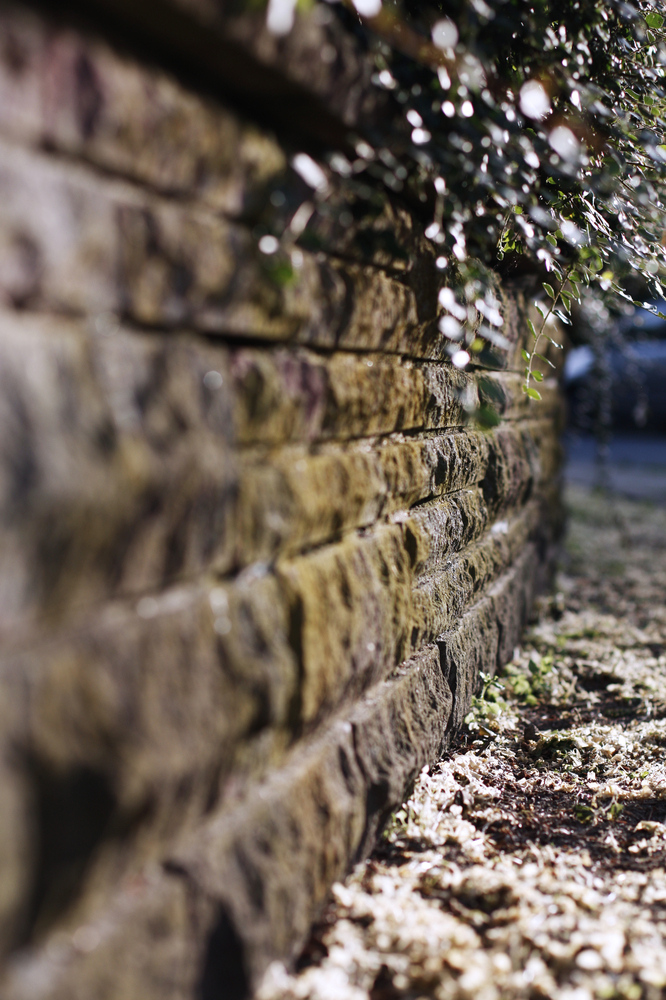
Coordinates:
255	545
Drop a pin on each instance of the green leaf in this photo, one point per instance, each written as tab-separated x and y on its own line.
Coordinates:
549	290
554	342
525	356
531	327
654	20
537	376
532	393
542	358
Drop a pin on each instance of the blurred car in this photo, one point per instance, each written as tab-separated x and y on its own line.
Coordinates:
624	383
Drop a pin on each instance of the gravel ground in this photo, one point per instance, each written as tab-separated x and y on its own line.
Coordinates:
531	861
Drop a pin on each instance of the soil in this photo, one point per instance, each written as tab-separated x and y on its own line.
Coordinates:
530	862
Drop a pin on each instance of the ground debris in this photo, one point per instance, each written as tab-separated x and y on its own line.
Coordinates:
531	861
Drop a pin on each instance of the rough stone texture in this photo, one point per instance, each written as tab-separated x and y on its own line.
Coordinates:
254	546
79	96
261	867
258	872
76	243
119	470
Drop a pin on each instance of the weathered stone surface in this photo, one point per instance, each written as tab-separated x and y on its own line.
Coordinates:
237	491
74	243
435	529
157	702
162	263
17	842
313	817
354	600
146	944
296	394
488	633
144	713
368	228
440	599
116	469
74	92
320	813
256	876
295	497
362	607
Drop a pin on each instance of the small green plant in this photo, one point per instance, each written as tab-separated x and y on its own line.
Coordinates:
530	685
584	814
563	297
614	810
488	705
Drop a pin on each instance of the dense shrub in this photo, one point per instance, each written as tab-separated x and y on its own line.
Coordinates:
529	134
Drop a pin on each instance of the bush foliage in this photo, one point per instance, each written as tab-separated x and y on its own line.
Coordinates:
530	136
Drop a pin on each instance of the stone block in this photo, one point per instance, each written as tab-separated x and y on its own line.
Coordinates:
293	498
435	529
271	863
295	395
116	468
76	94
139	715
146	944
426	465
245	888
354	602
440	599
119	473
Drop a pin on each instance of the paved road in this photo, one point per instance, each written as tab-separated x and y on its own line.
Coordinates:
633	465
